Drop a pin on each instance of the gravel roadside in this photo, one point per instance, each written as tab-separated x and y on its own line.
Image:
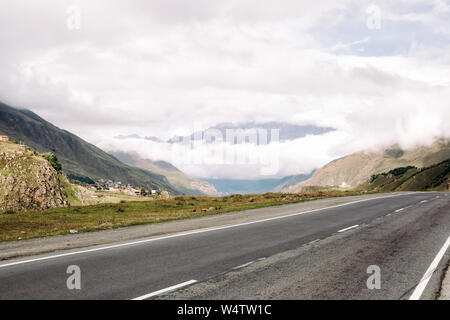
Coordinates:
445	289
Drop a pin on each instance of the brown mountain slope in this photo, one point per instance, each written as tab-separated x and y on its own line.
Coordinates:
356	168
177	178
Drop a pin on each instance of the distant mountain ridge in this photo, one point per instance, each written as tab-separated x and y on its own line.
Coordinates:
177	178
357	168
237	186
81	160
291	180
286	132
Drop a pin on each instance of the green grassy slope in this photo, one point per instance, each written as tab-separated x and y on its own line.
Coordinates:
435	177
79	158
108	215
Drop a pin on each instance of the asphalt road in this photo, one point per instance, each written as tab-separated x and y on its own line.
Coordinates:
270	259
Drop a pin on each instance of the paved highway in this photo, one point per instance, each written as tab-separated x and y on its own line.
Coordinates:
319	254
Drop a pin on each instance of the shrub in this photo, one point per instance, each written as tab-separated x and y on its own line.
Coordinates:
51	157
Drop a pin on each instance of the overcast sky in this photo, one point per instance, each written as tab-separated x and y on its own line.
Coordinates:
377	71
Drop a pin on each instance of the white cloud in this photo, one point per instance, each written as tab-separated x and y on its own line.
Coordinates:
157	67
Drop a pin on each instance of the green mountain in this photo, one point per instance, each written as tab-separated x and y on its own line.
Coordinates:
177	178
435	177
80	159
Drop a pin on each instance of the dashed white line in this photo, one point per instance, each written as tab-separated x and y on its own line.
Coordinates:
398	210
427	276
349	228
423	201
126	244
166	290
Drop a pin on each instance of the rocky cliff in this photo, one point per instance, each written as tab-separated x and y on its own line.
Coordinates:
27	181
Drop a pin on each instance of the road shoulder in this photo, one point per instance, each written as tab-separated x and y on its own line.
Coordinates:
445	288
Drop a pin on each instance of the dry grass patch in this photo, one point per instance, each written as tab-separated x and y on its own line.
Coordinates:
25	225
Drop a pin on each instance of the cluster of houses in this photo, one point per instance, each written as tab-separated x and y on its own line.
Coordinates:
117	186
4	138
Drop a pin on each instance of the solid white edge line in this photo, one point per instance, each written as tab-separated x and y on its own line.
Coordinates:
192	232
398	210
352	227
169	289
243	265
427	276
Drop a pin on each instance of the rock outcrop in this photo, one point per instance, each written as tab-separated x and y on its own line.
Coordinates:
27	181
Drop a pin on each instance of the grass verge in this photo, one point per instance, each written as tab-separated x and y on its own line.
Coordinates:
26	225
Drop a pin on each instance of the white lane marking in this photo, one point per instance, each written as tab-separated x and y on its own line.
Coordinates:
181	234
423	201
314	241
248	263
399	210
166	290
349	228
243	265
427	276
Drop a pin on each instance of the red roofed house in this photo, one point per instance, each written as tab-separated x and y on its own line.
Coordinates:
4	138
